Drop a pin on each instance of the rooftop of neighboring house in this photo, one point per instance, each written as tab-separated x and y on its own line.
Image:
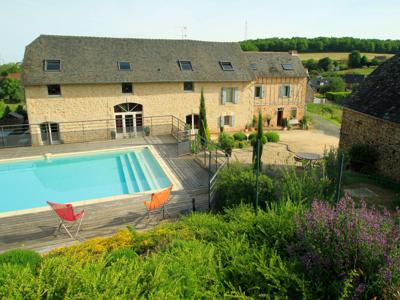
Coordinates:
276	64
14	75
379	94
115	60
354	78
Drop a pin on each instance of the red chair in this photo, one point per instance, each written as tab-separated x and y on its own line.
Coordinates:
65	213
158	200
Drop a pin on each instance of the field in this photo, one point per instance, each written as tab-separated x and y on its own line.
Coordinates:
361	71
330	112
337	55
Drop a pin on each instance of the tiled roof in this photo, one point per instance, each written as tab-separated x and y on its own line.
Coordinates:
379	94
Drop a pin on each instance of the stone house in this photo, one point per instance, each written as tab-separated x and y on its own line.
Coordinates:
372	116
69	79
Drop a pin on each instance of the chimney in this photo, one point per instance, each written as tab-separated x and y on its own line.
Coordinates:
293	53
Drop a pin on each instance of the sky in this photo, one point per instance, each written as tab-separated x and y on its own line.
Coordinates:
214	20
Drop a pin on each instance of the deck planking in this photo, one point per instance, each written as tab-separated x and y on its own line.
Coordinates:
37	231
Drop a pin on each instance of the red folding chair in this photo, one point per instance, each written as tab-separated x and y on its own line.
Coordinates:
65	213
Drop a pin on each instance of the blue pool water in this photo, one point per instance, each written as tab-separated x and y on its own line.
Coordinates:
29	184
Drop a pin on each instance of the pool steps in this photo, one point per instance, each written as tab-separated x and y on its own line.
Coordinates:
135	173
147	171
128	179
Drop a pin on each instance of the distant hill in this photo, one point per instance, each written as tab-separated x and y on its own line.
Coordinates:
322	44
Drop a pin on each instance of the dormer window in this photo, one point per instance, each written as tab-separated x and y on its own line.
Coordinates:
185	65
124	66
287	66
226	65
52	65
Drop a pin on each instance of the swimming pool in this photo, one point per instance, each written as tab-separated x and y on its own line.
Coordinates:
30	183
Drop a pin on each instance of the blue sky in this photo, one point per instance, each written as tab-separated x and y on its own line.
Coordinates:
219	20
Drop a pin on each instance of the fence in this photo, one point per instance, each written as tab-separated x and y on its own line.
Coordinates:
88	131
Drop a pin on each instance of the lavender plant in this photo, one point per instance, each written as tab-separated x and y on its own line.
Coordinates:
336	241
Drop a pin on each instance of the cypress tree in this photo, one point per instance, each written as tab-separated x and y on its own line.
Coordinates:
257	163
203	127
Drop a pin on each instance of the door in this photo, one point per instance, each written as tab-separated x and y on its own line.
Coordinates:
50	133
128	124
280	116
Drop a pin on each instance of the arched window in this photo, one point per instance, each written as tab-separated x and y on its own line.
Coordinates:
127	107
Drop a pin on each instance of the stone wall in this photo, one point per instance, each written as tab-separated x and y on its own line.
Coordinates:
359	128
96	102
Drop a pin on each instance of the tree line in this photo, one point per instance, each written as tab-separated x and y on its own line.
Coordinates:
322	44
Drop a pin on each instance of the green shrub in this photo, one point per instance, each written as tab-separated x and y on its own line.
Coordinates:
337	97
272	137
21	257
240	136
241	144
236	185
305	122
121	253
227	143
253	138
363	158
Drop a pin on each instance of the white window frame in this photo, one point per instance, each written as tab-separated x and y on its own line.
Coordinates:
284	92
46	62
261	96
235	95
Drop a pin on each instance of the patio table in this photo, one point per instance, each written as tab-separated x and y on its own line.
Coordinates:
310	157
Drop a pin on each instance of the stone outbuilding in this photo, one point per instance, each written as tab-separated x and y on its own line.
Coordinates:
372	116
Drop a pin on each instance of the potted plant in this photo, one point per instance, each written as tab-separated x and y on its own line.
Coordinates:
146	130
285	124
269	118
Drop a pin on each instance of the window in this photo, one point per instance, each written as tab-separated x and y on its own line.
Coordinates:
124	66
227	120
230	95
293	113
185	65
127	88
258	91
54	90
287	66
226	65
52	65
253	66
286	91
188	86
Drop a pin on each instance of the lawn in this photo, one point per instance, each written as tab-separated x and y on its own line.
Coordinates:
330	112
361	71
338	55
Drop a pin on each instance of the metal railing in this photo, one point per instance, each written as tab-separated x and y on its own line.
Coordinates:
87	131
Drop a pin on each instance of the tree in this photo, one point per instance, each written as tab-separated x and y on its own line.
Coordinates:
336	84
354	59
11	90
325	63
257	152
311	64
364	61
203	128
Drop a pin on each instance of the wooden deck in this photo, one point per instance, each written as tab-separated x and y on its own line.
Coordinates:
38	230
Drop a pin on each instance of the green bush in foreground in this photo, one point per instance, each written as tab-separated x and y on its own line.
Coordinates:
240	136
21	257
272	137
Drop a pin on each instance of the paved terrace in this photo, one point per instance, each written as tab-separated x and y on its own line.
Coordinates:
38	230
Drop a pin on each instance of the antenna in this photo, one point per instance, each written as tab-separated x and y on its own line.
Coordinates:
183	32
245	30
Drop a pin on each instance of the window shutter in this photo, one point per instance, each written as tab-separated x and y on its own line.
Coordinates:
291	91
233	120
221	121
223	96
236	95
282	91
262	92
